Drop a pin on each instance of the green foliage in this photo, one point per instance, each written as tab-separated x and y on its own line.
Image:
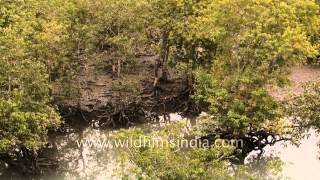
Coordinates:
113	27
168	162
236	103
314	38
268	168
36	30
257	42
29	45
174	162
172	23
305	109
25	112
234	48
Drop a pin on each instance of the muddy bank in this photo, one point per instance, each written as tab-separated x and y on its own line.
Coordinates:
101	96
299	76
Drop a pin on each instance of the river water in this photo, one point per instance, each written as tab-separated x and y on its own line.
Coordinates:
82	162
302	163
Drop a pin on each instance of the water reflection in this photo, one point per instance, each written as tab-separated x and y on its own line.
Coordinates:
85	162
96	163
301	162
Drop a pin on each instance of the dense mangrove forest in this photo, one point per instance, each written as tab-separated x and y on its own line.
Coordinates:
159	89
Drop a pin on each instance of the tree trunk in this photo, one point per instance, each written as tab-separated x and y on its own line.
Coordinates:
164	55
119	68
157	75
114	69
161	66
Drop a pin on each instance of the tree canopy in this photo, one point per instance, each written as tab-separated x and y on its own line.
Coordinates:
230	50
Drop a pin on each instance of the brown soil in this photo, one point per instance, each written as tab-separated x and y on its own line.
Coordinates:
98	100
300	75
